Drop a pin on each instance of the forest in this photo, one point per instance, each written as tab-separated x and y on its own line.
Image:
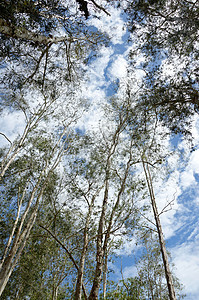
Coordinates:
99	104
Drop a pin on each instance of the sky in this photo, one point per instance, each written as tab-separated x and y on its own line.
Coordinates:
180	224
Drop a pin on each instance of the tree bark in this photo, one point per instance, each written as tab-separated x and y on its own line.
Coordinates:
15	252
24	34
105	275
168	274
55	292
100	253
100	245
79	284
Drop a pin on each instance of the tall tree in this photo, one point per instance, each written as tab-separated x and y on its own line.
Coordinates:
168	274
25	193
45	47
29	31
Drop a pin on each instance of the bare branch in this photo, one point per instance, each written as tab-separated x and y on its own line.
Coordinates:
39	61
100	7
147	219
170	203
6	137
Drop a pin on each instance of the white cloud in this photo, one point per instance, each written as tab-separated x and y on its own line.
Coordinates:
186	260
96	75
113	25
130	271
11	124
118	68
187	177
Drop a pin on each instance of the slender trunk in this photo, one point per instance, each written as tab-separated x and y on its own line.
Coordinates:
79	284
168	274
107	235
100	253
55	292
78	289
105	275
10	260
14	254
100	247
16	239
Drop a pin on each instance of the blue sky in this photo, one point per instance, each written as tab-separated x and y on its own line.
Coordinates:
180	225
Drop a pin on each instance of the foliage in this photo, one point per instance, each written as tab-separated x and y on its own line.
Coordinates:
166	33
149	283
71	198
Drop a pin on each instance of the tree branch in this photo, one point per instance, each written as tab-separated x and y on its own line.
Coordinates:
6	137
22	33
68	252
100	7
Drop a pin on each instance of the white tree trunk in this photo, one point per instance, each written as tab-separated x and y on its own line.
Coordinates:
168	274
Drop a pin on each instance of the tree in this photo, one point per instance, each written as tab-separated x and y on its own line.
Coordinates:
146	142
149	282
160	234
129	289
26	193
151	271
45	47
100	188
45	268
166	32
26	28
28	168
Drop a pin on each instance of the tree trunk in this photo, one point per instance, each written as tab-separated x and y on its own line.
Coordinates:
105	275
14	254
55	292
78	290
22	33
100	253
160	234
79	284
11	256
100	245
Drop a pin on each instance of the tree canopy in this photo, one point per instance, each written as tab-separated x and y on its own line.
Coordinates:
72	195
